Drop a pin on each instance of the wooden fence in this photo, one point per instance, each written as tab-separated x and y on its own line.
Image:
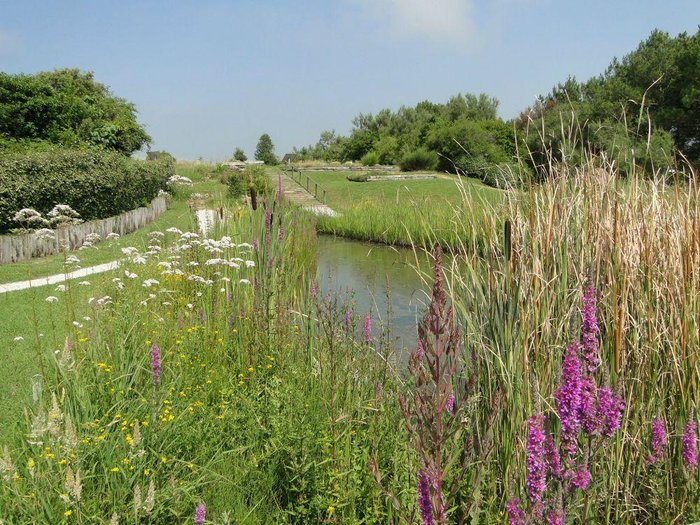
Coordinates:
15	248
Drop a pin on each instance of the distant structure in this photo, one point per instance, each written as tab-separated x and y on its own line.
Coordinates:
237	165
288	158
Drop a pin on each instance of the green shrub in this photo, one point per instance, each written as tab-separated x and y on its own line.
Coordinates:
95	183
419	159
370	159
358	177
239	182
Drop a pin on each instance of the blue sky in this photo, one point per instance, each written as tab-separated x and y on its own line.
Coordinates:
207	76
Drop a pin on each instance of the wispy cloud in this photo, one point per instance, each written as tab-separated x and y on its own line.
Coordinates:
444	22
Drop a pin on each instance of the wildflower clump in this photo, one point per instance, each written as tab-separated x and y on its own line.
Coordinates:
588	415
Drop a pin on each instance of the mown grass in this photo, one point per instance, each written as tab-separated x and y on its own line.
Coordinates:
411	211
206	183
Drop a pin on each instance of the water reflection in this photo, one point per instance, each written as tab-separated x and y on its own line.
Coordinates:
368	269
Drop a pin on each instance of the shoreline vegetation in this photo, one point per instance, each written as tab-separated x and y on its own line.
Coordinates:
216	375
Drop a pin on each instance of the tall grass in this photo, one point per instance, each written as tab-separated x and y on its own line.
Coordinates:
636	240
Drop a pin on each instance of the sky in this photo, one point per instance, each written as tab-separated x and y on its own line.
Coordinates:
208	76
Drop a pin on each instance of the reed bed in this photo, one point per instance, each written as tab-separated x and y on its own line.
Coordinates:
636	242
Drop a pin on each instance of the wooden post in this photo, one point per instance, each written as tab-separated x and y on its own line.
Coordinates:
307	183
316	189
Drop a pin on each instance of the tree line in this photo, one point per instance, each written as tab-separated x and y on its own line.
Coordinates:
643	112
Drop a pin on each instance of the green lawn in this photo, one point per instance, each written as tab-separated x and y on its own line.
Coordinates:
23	310
206	183
448	209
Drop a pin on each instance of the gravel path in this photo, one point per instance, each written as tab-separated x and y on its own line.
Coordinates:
59	278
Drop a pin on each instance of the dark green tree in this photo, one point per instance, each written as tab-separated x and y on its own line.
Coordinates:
69	108
265	150
240	155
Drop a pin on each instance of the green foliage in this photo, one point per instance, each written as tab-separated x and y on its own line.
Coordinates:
628	112
239	182
69	108
358	177
160	155
240	155
95	183
265	150
370	159
420	159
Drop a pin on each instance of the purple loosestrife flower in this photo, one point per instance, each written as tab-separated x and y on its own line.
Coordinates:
450	403
610	409
516	516
200	514
155	363
553	458
690	445
367	329
568	398
659	439
536	463
425	504
555	517
588	412
348	319
582	478
590	331
420	350
268	221
280	233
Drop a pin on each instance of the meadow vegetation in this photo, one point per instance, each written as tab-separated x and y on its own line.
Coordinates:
215	378
555	377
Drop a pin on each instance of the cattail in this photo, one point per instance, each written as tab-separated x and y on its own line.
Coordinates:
200	514
568	398
155	363
536	463
367	329
690	445
425	504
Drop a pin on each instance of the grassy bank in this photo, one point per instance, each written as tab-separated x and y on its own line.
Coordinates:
205	182
27	314
408	212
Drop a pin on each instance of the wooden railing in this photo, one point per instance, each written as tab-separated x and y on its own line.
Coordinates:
306	182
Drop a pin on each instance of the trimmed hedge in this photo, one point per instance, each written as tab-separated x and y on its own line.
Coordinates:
95	183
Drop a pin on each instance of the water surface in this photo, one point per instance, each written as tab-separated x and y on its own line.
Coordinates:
370	270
